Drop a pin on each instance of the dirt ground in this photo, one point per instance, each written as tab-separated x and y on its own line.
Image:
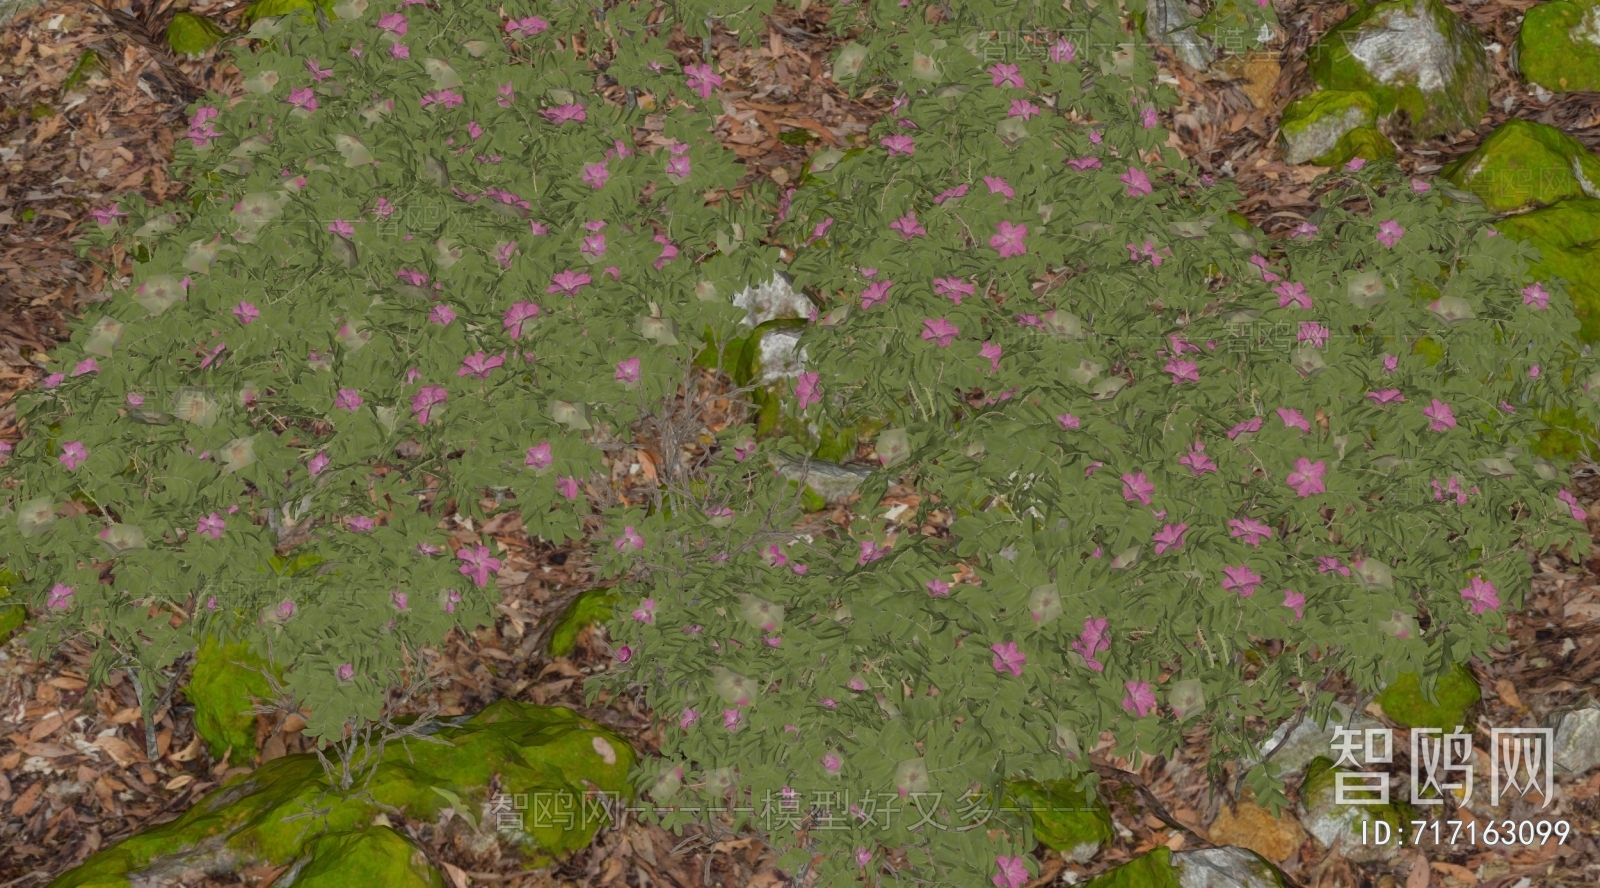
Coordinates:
75	773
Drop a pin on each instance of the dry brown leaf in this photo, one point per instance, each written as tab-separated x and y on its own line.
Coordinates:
126	716
178	782
1507	692
51	724
25	802
1421	876
458	876
188	753
120	750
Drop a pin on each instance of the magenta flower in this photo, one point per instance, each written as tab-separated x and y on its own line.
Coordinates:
73	453
1136	180
820	230
831	762
1304	231
1240	579
1386	396
442	315
1441	417
876	293
1293	419
1306	479
508	94
1355	164
806	389
1169	537
908	226
939	331
348	399
1007	658
1481	595
898	144
567	487
1535	295
1023	108
937	588
399	599
1314	333
669	252
342	228
85	366
1247	427
399	51
212	526
516	315
303	99
54	380
1141	701
1084	163
1296	602
1389	233
998	185
107	215
568	282
318	463
1290	293
477	564
1006	75
596	174
1197	461
361	524
1095	638
135	400
630	539
952	288
1008	239
246	312
526	27
539	456
446	97
950	194
1147	118
569	113
870	552
1250	530
689	719
393	22
627	371
1330	564
423	402
479	365
991	351
1063	51
60	597
1182	371
1137	488
1067	421
1011	872
347	672
702	80
1578	514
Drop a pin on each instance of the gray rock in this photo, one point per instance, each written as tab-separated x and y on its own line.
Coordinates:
1168	21
1577	740
1227	867
781	356
831	481
1308	741
776	298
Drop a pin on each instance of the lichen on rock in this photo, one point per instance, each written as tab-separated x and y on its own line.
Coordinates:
1523	164
1312	126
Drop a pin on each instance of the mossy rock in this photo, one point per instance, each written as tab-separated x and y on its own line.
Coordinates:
1328	821
363	858
1522	164
1153	870
1566	436
268	8
550	754
1065	819
1161	868
192	35
1313	126
226	682
1414	56
1365	142
1558	46
1567	235
589	608
1456	693
11	619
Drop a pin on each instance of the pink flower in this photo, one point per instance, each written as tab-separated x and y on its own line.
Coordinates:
1137	488
347	399
1314	333
347	672
54	380
950	194
1023	108
85	366
596	174
1147	118
1306	479
1008	239
1182	371
646	612
399	599
1386	396
318	463
569	113
1084	163
1012	872
1197	461
1068	421
998	185
60	597
937	588
1533	372
414	278
477	564
73	453
876	293
246	312
1481	595
1095	638
806	389
1330	564
107	215
991	351
689	719
908	226
1063	51
831	762
952	288
1240	579
567	487
1296	602
820	230
1250	530
1441	417
939	331
285	609
568	282
1390	232
303	99
1420	186
212	525
423	402
1292	419
526	27
1006	75
539	456
669	252
442	315
508	94
898	144
1290	293
1578	514
1535	295
516	315
870	552
1247	427
1138	183
1390	362
1304	231
1007	658
702	80
479	365
393	22
628	371
361	524
399	51
1141	701
135	400
1355	164
342	228
630	539
427	549
1169	537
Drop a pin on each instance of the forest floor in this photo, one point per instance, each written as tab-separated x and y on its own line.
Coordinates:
74	773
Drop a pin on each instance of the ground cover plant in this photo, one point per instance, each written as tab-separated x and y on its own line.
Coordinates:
1190	473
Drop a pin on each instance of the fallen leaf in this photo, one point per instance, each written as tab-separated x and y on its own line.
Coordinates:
27	800
126	716
1507	692
458	876
51	724
188	753
179	782
120	750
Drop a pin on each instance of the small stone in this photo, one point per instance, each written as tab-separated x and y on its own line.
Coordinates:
1331	823
1168	21
1253	827
1308	740
831	481
1312	127
774	299
1227	867
1577	740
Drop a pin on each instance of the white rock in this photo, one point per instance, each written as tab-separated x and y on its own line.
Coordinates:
1227	867
774	299
1577	741
1308	740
